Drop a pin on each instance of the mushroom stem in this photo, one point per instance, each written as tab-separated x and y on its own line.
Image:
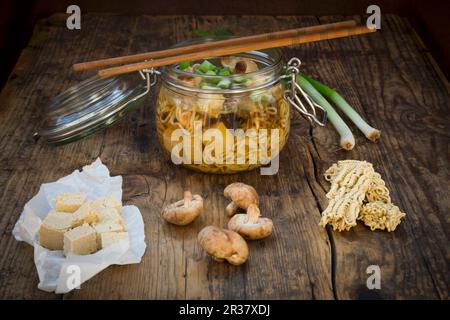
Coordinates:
241	196
187	198
253	214
231	208
185	210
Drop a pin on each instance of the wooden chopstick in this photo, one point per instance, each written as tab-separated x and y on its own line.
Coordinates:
218	52
210	45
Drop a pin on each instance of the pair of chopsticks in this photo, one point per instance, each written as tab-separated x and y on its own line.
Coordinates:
226	47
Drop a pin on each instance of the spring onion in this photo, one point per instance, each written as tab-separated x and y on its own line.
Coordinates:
184	65
239	79
220	81
206	66
347	141
198	71
224	71
206	86
370	132
224	83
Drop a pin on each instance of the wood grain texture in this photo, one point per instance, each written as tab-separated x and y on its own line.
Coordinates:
410	106
387	77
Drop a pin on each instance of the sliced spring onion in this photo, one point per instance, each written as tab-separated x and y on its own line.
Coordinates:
261	97
224	71
184	65
224	83
347	140
206	66
370	132
198	71
239	79
213	80
256	95
208	87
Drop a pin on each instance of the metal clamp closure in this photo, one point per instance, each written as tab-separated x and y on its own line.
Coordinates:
294	93
151	77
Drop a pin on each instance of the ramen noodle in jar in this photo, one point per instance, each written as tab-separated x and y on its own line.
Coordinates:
224	115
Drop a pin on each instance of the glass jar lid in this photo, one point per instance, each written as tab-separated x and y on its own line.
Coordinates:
91	106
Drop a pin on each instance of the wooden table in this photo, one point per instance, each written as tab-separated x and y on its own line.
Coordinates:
388	77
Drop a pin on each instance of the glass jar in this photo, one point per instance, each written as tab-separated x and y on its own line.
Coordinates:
238	127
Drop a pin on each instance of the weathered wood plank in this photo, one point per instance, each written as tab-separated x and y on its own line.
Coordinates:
173	267
387	77
301	260
195	275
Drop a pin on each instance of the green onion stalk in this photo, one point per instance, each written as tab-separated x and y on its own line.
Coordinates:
347	141
370	132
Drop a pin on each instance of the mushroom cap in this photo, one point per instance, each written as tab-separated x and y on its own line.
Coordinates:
262	228
231	62
241	194
181	214
223	244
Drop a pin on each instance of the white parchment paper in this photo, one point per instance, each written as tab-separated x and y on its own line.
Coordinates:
58	273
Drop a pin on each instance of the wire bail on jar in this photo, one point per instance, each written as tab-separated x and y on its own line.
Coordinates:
294	92
151	78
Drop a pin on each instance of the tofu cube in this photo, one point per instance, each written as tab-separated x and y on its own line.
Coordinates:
81	240
51	232
109	224
110	221
109	238
87	213
108	202
69	201
110	214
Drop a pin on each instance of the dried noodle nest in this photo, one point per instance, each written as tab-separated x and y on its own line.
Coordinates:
358	193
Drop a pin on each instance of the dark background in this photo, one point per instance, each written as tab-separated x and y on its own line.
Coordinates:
430	18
